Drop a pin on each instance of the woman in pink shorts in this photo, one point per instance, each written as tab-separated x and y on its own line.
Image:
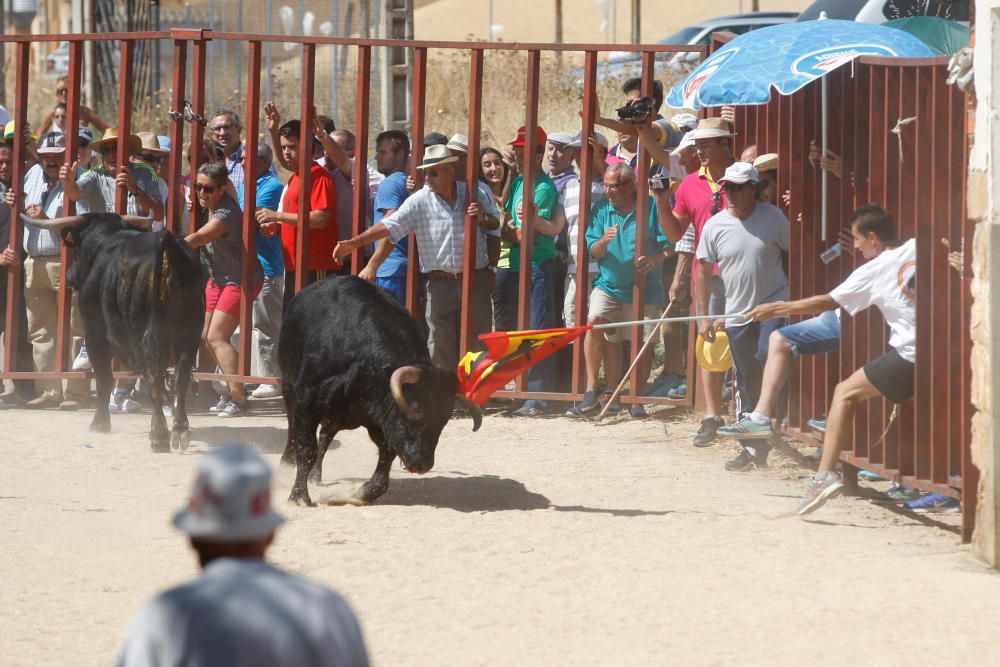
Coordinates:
220	237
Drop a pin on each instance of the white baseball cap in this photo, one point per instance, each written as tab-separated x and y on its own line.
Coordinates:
231	499
577	141
686	121
686	142
740	172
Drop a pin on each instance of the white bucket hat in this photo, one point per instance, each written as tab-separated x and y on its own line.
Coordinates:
686	142
437	155
577	141
684	121
231	499
564	138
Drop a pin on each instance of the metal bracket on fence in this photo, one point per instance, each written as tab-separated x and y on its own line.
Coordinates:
189	114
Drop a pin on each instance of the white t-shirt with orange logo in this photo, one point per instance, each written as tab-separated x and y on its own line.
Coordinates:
887	282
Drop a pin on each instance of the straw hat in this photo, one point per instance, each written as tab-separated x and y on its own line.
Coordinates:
459	143
111	137
435	156
766	162
150	144
713	128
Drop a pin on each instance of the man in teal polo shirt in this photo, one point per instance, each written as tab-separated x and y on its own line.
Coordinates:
611	241
545	228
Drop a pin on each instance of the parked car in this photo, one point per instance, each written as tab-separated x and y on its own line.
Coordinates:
623	64
57	62
880	11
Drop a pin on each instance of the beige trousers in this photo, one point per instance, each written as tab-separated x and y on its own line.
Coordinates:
41	296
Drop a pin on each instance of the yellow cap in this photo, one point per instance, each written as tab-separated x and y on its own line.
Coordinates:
714	356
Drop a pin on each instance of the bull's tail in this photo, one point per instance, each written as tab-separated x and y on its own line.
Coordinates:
157	356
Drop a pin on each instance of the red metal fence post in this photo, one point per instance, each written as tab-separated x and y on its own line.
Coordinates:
175	200
124	149
15	272
416	156
467	339
306	139
586	201
530	147
252	122
361	120
197	124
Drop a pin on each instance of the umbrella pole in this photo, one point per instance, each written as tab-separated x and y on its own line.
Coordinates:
824	102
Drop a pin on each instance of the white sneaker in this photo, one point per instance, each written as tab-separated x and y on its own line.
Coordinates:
266	391
82	361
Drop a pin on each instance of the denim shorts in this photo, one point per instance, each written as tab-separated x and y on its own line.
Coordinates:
817	335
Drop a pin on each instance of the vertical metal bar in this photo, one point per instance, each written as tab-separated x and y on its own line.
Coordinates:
197	125
15	272
528	198
361	123
252	121
306	137
469	256
69	207
930	438
417	148
636	381
586	178
175	200
124	118
269	27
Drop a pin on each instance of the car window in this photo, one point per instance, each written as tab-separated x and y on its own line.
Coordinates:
953	10
735	29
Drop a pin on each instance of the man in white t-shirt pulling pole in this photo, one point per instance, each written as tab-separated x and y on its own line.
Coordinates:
888	283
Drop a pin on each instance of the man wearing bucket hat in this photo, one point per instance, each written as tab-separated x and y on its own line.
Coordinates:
436	214
241	610
746	240
99	187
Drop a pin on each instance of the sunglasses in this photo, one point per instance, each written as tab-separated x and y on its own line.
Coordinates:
207	189
431	172
62	91
151	159
108	150
716	201
83	144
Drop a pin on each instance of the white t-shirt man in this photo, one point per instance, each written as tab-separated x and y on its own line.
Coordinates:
245	612
888	283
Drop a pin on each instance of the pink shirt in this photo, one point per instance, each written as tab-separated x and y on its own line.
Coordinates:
693	200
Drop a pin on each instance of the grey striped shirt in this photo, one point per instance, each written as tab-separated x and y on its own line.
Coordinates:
38	242
99	189
224	255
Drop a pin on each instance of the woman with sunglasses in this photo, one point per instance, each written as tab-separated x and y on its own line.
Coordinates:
220	238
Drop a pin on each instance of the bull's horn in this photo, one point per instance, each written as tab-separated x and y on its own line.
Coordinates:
400	376
477	414
141	221
51	224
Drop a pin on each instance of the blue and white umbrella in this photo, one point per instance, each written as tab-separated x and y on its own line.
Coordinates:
788	57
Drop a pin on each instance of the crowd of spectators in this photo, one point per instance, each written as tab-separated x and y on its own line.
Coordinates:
717	238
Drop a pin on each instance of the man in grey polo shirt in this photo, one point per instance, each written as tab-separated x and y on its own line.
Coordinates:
436	214
241	610
43	198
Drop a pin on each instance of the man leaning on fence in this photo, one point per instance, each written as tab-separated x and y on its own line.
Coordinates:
436	214
611	240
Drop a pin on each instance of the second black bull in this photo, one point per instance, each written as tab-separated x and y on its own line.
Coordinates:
351	356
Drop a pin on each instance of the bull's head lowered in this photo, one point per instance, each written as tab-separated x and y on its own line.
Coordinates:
427	396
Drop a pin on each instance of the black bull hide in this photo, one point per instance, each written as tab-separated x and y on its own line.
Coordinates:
351	356
142	300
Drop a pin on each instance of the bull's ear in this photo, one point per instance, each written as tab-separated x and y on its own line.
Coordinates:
70	236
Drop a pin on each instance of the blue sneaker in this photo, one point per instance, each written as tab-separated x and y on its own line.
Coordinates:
818	425
934	503
870	476
678	393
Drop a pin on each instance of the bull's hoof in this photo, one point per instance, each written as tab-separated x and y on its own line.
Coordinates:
101	425
301	498
369	493
159	446
179	440
315	477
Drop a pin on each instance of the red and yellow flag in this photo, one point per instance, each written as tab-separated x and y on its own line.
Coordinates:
507	355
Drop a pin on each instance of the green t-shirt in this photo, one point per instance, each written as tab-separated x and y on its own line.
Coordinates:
546	197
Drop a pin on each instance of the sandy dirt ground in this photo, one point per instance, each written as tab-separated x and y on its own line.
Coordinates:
544	542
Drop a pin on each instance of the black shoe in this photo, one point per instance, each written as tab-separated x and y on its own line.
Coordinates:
637	411
706	434
614	409
586	406
749	458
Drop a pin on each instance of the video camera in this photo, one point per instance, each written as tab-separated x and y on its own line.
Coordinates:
637	111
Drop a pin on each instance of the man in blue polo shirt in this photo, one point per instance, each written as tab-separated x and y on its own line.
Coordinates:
611	241
267	307
387	267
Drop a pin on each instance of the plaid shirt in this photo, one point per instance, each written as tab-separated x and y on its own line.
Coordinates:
38	242
439	228
234	163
